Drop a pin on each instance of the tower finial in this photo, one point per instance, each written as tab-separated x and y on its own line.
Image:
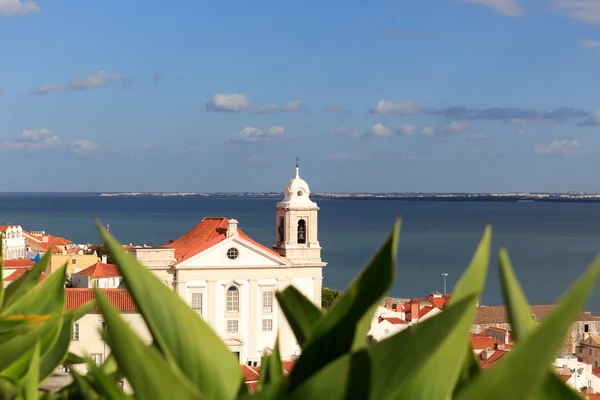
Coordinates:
297	168
297	159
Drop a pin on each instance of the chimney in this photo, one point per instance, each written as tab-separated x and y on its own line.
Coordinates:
414	312
231	228
484	355
506	338
104	259
44	238
388	302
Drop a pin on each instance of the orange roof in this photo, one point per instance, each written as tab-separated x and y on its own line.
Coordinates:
18	263
479	342
119	298
424	311
3	228
207	233
251	373
564	377
498	354
19	273
596	371
100	270
395	320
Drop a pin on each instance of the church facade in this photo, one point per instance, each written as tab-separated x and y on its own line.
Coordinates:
230	280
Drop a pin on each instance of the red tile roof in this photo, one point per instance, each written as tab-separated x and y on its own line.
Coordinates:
19	272
119	298
395	320
498	354
100	270
251	374
596	371
479	342
498	315
564	378
424	311
18	263
207	233
3	228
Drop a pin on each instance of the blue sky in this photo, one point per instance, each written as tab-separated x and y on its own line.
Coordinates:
393	95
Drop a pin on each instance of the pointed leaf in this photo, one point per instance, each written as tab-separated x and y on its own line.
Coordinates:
526	366
381	370
330	338
32	378
24	284
85	390
519	315
185	339
162	380
105	386
82	310
447	373
19	341
271	372
59	349
301	314
46	297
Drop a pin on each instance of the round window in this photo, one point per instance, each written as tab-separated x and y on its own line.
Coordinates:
233	253
300	193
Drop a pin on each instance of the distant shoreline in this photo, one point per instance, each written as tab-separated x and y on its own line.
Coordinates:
477	197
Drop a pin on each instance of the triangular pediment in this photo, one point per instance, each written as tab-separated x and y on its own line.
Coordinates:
249	255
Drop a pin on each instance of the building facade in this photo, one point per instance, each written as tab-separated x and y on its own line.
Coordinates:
13	242
231	280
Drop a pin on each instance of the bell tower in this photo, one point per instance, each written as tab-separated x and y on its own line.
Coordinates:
297	225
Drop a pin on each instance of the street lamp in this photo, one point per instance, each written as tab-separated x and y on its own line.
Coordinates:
444	275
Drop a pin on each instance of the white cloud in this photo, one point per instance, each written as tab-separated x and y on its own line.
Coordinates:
509	8
17	8
521	131
381	130
587	11
255	135
232	102
292	106
100	78
404	108
36	135
83	146
592	120
478	136
428	131
589	43
456	126
342	156
407	130
559	147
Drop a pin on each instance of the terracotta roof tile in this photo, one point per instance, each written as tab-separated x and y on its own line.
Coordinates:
18	263
498	315
4	228
482	342
249	373
100	270
119	298
395	320
19	273
424	311
204	235
564	377
498	354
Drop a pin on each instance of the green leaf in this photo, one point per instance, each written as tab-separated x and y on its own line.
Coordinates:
59	349
85	390
185	339
105	386
330	337
18	342
26	282
160	380
83	309
519	315
469	371
271	371
9	389
381	370
526	366
448	362
46	297
32	378
301	314
10	322
74	359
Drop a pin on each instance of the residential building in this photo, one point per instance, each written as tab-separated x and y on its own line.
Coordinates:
588	351
420	308
496	316
386	323
231	280
579	375
100	275
85	336
63	252
13	242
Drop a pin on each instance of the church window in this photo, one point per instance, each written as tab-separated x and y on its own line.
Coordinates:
197	302
268	302
233	300
301	231
586	328
233	253
232	326
280	230
267	325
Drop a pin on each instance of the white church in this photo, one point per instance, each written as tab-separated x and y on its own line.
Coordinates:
230	280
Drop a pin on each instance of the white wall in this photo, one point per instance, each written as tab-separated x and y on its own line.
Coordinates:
13	243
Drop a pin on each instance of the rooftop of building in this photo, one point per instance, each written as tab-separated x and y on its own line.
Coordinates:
100	270
120	299
498	314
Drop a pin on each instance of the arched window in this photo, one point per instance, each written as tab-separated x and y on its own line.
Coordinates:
233	300
281	230
301	231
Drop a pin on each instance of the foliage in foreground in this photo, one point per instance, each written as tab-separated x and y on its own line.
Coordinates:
187	360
